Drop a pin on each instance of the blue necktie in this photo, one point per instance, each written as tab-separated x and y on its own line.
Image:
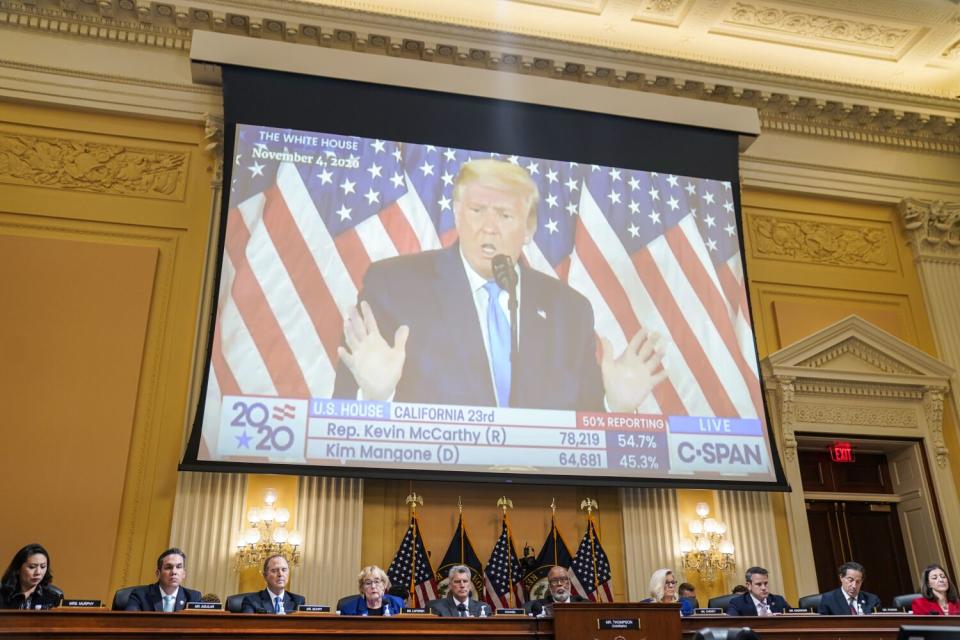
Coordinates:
498	335
279	605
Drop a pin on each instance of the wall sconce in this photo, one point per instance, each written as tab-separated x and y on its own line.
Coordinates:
267	535
709	553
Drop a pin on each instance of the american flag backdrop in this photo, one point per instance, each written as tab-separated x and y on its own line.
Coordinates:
590	570
647	249
503	576
411	567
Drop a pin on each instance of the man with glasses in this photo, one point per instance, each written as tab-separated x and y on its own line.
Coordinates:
558	582
848	599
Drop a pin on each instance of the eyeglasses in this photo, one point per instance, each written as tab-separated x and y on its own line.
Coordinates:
670	583
558	580
370	583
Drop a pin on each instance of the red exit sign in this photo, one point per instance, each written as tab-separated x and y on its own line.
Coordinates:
841	452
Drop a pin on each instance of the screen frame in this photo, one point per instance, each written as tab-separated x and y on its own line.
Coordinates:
259	96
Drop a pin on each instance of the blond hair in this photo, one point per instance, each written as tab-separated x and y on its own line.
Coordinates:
500	174
373	571
658	582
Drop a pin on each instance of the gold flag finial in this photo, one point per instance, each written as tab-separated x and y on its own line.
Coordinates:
505	503
553	506
413	500
459	505
589	504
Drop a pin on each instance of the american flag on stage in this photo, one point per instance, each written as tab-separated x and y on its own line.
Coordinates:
648	250
503	577
591	569
411	567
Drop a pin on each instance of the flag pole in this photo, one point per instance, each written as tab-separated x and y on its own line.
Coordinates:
413	499
506	503
553	528
460	526
590	504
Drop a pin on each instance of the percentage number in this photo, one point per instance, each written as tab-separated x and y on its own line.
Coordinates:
636	440
633	461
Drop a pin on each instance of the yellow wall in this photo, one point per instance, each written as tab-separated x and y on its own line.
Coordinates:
103	230
812	261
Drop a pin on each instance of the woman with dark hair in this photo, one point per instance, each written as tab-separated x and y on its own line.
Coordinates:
26	582
939	594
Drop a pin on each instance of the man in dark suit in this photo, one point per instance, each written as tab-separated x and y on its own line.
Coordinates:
558	584
450	320
848	599
458	603
275	598
757	601
166	594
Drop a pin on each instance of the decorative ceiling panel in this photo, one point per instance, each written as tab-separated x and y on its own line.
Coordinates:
668	12
782	24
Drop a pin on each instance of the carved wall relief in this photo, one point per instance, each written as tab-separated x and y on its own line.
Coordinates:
817	242
83	165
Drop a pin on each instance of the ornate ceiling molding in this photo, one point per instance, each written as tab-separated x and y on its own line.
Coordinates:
933	227
776	22
789	104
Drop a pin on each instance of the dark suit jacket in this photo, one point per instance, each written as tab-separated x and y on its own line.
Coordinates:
446	359
357	606
149	598
743	605
835	603
262	602
447	607
43	597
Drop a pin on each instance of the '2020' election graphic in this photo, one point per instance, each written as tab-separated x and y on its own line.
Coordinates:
359	324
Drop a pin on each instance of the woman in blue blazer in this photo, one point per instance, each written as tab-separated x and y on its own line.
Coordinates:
373	599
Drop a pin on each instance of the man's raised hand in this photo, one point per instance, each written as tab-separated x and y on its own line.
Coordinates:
375	365
629	379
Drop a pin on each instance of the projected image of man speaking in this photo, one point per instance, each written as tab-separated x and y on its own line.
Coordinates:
435	327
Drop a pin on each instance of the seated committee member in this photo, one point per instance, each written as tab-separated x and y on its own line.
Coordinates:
26	582
757	601
273	599
688	592
939	594
373	599
167	593
558	585
663	588
848	599
458	603
449	324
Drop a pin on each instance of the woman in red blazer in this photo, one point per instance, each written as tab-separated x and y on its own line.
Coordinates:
939	594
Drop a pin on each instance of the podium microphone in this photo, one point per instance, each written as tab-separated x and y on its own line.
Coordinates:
504	273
